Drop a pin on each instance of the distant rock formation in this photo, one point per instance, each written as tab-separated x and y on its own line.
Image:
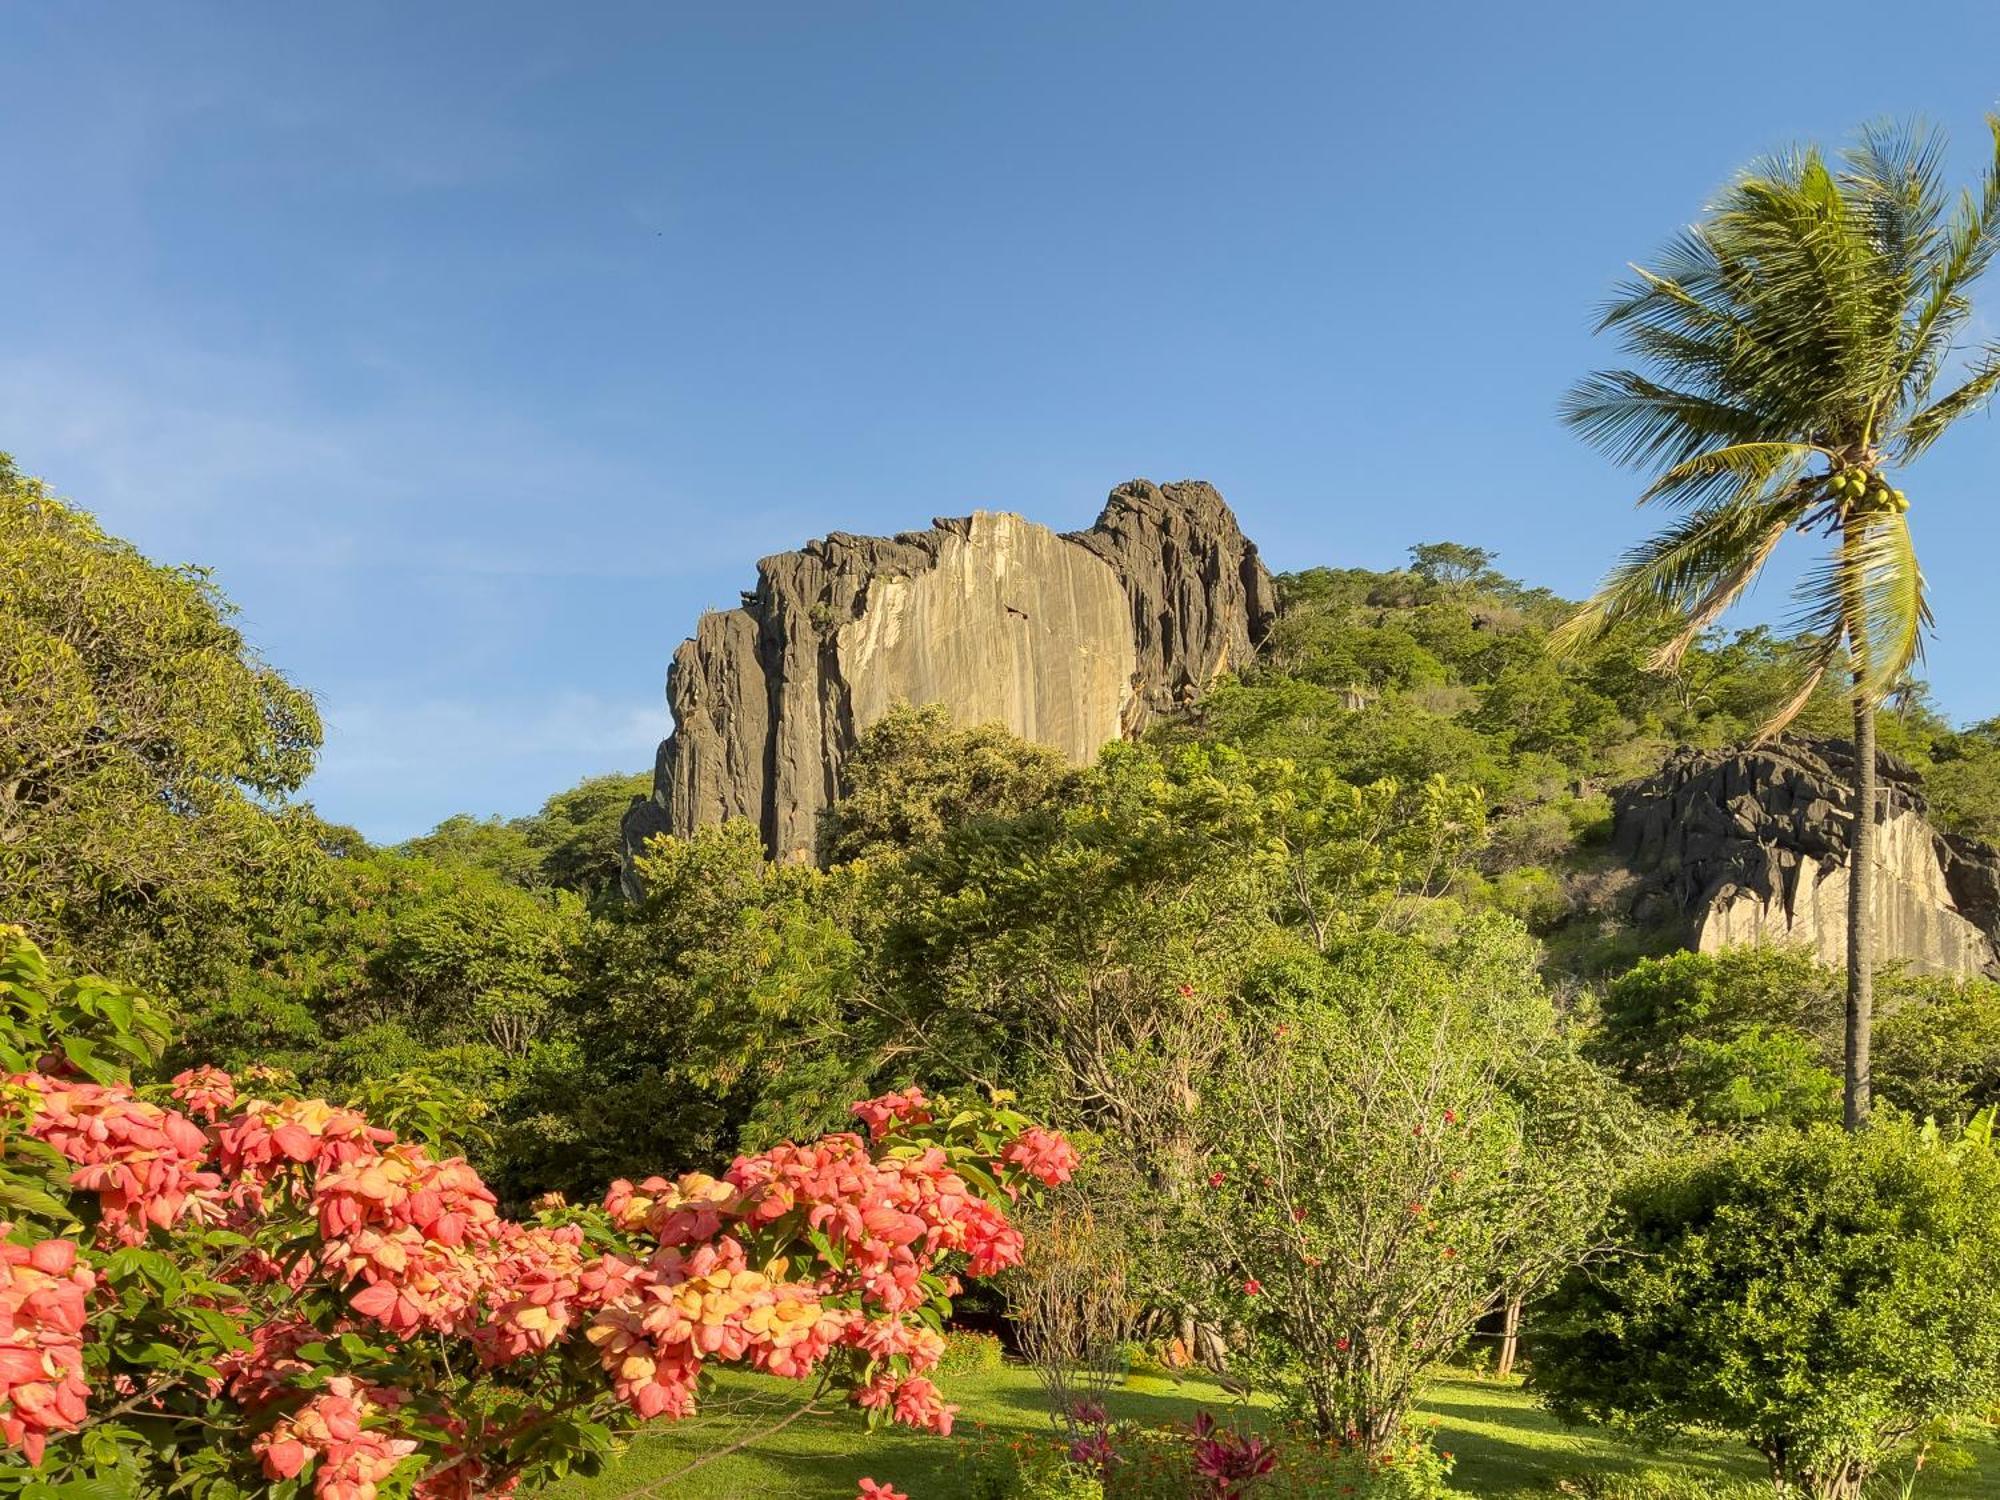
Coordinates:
1751	846
1069	640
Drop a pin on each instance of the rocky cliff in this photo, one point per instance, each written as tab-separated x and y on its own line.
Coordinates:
1069	640
1751	847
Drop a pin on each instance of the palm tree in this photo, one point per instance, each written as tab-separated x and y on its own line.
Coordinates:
1791	346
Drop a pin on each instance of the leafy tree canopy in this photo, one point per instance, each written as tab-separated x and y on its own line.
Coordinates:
145	752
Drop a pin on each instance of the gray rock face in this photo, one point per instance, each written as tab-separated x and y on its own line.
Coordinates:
1070	641
1752	847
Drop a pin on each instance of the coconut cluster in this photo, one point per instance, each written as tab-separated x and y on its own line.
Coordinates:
1863	490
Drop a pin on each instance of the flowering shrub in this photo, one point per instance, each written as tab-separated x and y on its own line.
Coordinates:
216	1291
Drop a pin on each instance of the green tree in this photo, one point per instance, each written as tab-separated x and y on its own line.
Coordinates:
1939	1049
1078	948
577	834
1453	565
572	843
914	773
1963	781
702	1016
1740	1037
1792	343
1378	1176
1832	1298
145	754
493	846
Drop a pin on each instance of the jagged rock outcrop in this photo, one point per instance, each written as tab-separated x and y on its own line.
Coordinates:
1069	640
1752	846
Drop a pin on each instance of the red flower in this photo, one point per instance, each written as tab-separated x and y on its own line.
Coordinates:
1253	1287
1043	1155
1216	1179
870	1490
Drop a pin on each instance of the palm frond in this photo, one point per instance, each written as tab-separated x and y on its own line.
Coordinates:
1703	562
1870	593
1736	471
1894	173
1958	257
1827	295
1927	426
1637	420
1723	592
1819	660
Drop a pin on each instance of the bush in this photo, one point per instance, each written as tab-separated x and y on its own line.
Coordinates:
1937	1046
1389	1146
971	1351
203	1290
1745	1036
1832	1299
1201	1461
1659	1484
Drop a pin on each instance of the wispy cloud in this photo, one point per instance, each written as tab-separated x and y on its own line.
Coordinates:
396	766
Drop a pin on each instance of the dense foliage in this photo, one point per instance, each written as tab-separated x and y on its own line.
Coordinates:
140	744
1752	1036
1833	1299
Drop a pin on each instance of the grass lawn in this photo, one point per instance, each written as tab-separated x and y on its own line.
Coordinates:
1505	1445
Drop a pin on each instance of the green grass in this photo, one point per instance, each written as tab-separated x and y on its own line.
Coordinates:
1506	1445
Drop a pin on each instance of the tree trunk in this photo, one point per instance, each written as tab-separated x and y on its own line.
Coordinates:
1510	1338
1861	916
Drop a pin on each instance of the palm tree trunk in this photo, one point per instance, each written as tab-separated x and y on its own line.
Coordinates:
1861	916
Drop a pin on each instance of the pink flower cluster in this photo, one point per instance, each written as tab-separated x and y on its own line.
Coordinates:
793	1255
264	1139
330	1433
144	1163
660	1320
887	1220
1043	1155
42	1317
883	1115
414	1232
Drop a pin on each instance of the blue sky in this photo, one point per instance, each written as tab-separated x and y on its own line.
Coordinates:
479	347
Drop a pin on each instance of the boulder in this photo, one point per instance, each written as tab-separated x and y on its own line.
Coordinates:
1068	640
1751	846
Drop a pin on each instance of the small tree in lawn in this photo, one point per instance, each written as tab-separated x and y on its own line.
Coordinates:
1374	1180
1074	1305
1791	346
1833	1299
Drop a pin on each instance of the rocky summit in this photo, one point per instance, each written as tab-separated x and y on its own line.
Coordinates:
1751	846
1070	640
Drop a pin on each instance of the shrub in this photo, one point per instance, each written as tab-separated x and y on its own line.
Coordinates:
1742	1036
1832	1299
208	1291
1204	1460
1391	1148
970	1351
1074	1306
1659	1484
1937	1047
